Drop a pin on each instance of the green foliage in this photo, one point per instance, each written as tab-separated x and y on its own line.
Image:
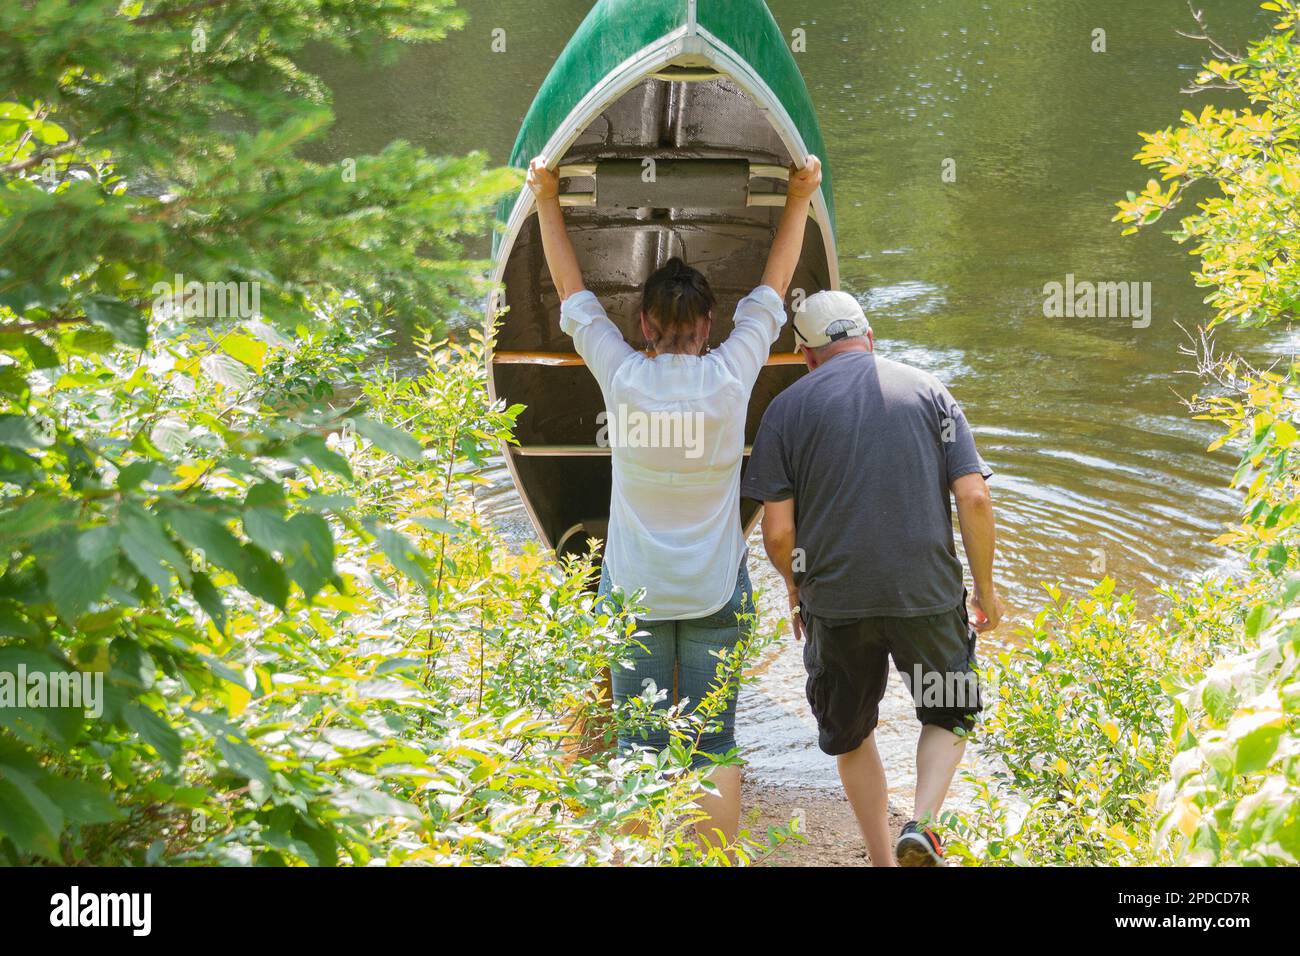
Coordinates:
1244	231
141	141
1198	759
368	673
1234	790
1078	731
215	499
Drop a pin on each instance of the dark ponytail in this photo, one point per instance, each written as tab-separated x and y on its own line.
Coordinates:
678	301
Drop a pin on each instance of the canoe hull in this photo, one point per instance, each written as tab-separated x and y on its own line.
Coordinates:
683	96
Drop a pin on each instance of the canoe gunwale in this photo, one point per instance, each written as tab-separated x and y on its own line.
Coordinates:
689	40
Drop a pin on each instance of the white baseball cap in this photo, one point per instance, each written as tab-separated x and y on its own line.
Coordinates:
828	317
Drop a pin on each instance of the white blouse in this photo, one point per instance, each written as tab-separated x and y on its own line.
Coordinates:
676	428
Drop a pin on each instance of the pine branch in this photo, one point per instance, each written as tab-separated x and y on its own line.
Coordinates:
160	15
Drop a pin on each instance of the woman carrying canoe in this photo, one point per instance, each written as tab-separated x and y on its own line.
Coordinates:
674	526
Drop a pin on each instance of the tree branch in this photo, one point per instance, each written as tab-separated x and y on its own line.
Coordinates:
36	159
51	323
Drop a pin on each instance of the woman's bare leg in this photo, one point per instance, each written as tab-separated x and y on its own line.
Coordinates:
724	809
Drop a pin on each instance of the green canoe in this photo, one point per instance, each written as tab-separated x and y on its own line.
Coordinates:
671	123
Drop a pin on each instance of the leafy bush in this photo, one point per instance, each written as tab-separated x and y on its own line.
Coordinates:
313	649
1078	731
406	696
1209	771
1232	796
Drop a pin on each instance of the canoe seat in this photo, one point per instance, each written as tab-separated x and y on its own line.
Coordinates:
686	74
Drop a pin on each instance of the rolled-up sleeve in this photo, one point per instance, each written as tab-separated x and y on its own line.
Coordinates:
595	337
759	318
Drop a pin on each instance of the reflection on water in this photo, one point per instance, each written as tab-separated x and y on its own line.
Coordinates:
1098	467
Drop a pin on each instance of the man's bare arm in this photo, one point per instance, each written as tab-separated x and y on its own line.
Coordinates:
778	542
979	535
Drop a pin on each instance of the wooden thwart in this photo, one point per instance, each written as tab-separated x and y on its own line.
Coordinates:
686	183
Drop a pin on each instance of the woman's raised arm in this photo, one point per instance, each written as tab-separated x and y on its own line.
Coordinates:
560	257
786	248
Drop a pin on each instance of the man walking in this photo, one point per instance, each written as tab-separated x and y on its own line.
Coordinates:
855	464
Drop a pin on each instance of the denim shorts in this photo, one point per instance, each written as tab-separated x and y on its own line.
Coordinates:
684	649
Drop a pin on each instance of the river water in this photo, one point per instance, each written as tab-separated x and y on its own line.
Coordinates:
1099	469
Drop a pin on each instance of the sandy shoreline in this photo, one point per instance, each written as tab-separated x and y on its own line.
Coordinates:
827	823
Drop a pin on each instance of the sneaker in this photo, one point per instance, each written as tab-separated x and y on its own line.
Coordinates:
918	846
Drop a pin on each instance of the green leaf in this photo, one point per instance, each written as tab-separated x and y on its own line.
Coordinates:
169	435
401	553
1256	748
262	577
320	838
311	564
25	431
132	665
33	516
339	504
209	598
390	439
147	547
209	535
135	474
312	448
28	816
265	494
126	323
39	353
375	803
79	800
242	758
437	525
246	349
63	724
90	342
268	530
155	731
78	567
13	382
226	370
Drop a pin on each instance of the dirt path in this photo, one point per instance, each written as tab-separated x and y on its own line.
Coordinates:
828	825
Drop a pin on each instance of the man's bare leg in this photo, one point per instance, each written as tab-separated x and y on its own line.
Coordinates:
938	752
724	809
863	777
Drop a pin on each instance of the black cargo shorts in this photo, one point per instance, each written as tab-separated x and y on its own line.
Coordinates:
848	670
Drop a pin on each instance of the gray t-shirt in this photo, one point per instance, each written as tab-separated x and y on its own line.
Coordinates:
868	449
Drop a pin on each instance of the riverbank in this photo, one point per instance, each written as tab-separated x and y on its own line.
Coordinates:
831	836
